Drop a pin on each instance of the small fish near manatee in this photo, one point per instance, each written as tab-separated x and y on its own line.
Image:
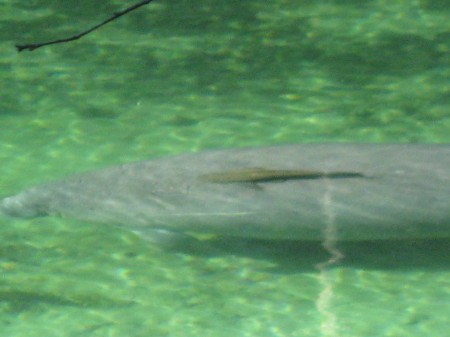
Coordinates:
362	191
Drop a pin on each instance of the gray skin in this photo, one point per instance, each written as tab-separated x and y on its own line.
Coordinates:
392	191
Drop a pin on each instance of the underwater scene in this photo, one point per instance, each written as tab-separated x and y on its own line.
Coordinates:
172	77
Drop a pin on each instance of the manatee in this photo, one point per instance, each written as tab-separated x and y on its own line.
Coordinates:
298	192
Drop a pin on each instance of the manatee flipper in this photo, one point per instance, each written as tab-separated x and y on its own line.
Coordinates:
174	241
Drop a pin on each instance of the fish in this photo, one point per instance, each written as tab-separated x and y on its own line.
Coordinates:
260	174
352	192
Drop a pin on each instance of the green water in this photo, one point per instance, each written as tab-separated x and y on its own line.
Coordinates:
178	76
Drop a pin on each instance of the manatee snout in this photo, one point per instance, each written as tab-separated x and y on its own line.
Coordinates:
21	206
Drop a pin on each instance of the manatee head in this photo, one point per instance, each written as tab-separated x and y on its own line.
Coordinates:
27	204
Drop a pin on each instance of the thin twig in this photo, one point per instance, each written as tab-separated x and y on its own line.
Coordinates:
116	15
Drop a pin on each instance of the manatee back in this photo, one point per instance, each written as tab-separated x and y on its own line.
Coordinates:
400	191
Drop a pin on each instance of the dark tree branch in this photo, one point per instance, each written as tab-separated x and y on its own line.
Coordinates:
116	15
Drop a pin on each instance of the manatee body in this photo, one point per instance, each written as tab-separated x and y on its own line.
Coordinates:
353	192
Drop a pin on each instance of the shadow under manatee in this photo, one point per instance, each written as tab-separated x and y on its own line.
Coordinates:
299	256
